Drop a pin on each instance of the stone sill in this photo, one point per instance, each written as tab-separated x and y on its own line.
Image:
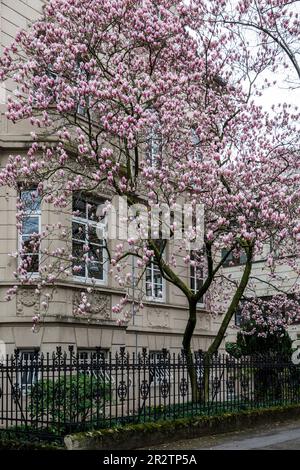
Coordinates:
112	291
168	331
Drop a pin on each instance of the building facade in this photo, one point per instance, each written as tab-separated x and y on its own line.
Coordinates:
159	325
163	319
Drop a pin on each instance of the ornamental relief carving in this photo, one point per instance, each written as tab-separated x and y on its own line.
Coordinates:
28	302
158	318
204	322
100	304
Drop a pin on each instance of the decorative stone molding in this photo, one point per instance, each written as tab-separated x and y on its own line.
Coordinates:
158	317
28	302
205	322
100	304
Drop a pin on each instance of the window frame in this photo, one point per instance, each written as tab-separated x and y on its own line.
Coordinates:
155	358
103	359
154	147
25	388
28	215
201	302
197	155
151	298
240	261
238	321
89	223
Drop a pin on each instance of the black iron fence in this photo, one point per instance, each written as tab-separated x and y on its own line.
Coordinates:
50	395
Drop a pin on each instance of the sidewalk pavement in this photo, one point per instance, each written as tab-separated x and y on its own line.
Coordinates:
273	436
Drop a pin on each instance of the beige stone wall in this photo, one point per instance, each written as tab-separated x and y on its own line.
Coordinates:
16	15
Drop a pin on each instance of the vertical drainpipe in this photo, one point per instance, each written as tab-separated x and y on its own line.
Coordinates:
133	302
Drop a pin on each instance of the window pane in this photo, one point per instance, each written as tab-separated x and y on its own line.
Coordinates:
238	317
96	253
92	211
30	263
199	282
95	263
192	282
243	258
27	355
79	260
31	200
93	237
95	270
228	259
78	231
79	206
30	225
196	272
158	291
148	289
234	259
157	278
148	274
196	144
28	371
154	282
154	147
30	243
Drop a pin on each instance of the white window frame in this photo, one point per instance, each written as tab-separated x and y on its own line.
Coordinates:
82	111
152	266
196	148
26	387
158	379
88	360
27	215
154	147
193	277
89	223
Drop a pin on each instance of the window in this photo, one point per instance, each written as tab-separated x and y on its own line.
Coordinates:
274	248
199	363
160	370
82	101
233	259
89	253
31	227
238	317
154	283
196	276
43	86
154	147
83	106
92	355
28	373
196	145
95	362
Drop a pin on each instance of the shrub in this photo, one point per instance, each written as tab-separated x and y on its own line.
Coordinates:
70	401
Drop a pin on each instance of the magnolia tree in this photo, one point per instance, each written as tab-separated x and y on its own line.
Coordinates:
155	101
276	25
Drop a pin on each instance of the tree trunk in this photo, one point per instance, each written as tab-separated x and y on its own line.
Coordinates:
213	349
186	343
